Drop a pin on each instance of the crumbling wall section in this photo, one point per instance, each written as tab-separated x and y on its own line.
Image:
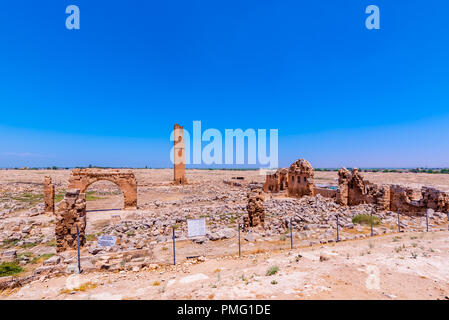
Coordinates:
255	209
301	179
277	181
354	190
49	195
70	214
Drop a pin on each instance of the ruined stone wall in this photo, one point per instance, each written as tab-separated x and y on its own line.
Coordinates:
414	202
255	208
49	195
82	178
326	192
71	213
435	199
277	181
354	190
179	155
301	179
271	183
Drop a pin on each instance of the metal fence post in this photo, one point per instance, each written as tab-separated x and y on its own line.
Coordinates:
240	251
78	247
338	236
427	220
174	251
399	222
291	234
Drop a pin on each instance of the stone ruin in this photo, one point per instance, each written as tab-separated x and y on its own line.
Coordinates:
277	181
255	208
81	179
71	213
49	195
353	190
300	179
179	155
72	210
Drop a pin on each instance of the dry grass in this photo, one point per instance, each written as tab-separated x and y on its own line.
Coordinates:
82	288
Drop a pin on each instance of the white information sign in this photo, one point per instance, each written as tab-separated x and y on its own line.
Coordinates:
106	241
196	227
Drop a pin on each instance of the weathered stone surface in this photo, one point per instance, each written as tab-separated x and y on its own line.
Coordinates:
52	261
354	190
301	179
251	237
179	155
255	208
276	182
81	179
49	195
71	213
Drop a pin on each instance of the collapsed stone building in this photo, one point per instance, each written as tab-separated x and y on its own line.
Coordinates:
353	190
301	179
277	181
71	212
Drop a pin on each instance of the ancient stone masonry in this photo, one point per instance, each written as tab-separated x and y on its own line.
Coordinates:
415	202
49	195
71	213
82	178
277	181
354	190
300	179
255	208
179	155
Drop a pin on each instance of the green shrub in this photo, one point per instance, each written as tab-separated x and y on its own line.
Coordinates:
272	270
365	219
9	269
42	258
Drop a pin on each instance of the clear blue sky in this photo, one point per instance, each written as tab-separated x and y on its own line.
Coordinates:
109	93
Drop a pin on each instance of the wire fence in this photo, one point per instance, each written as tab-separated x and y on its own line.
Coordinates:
180	248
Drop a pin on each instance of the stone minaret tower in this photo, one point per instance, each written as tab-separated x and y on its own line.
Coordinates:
179	155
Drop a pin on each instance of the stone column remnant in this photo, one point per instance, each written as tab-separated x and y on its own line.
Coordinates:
179	155
49	195
255	208
71	212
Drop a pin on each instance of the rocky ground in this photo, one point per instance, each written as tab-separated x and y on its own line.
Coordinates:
144	247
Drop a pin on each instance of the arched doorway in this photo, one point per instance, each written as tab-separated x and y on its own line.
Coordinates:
104	195
82	178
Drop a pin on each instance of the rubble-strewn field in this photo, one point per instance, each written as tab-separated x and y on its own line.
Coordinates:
413	264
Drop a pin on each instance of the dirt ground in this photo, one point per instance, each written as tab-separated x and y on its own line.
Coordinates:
403	266
409	265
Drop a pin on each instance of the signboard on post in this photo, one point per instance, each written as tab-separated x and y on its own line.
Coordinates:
106	241
196	227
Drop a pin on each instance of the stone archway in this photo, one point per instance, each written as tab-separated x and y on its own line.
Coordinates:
81	179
